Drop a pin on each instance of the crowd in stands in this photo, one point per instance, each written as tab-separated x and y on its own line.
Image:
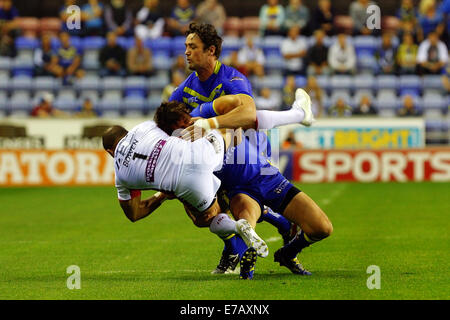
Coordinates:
309	43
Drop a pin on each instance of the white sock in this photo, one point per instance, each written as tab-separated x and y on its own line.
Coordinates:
270	119
222	225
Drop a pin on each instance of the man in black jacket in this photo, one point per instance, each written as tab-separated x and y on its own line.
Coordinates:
112	57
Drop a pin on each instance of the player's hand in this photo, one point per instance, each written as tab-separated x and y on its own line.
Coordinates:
193	132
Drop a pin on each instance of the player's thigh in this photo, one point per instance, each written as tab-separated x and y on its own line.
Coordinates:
243	206
303	211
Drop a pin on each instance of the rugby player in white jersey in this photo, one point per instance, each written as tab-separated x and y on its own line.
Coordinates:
148	158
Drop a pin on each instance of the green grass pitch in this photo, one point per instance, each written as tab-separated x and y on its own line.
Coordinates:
402	228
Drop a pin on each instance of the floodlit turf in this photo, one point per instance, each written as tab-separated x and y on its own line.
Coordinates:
402	228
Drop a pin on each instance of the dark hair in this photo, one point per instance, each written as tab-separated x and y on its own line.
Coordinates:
168	114
112	136
208	34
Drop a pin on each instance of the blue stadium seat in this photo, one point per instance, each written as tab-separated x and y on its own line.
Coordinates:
88	82
92	95
5	83
22	66
22	83
20	104
274	62
44	83
26	43
153	101
364	81
300	81
232	43
178	46
386	82
125	42
134	106
161	61
365	44
432	82
162	45
5	63
410	82
66	104
112	83
435	102
158	82
271	45
135	85
366	62
341	82
93	43
110	107
273	82
323	82
386	100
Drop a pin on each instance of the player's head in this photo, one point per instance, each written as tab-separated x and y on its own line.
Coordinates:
111	138
203	45
171	116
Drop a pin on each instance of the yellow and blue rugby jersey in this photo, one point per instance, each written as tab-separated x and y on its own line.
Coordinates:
225	80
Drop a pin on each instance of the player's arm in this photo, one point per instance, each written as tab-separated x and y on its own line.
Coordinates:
136	209
239	111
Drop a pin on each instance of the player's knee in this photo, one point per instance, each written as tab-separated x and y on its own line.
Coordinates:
324	231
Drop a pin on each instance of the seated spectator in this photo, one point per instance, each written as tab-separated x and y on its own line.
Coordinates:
93	18
323	17
182	15
385	55
65	15
289	92
8	15
294	49
432	55
271	18
150	21
232	60
68	60
212	12
44	58
340	109
358	13
180	65
365	107
408	108
318	55
267	100
112	57
45	109
316	94
297	14
7	45
291	142
119	18
407	11
341	56
176	78
252	58
87	110
139	60
407	55
430	19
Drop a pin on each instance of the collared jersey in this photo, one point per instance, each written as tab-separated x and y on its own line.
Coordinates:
224	80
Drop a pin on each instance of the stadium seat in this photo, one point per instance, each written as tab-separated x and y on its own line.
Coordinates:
324	82
50	25
93	95
162	61
338	82
110	107
364	81
386	82
178	46
91	60
158	82
233	26
366	62
26	43
162	45
65	103
386	100
92	43
22	83
410	82
360	93
5	63
5	83
435	104
272	82
232	43
112	83
153	101
271	44
365	44
88	82
20	104
134	106
274	62
22	66
300	81
432	82
112	94
135	85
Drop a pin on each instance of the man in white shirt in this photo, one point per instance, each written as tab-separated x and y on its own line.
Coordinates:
432	55
294	49
252	58
342	56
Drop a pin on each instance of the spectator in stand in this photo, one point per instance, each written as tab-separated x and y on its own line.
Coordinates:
271	18
407	11
289	92
182	15
323	17
294	49
86	110
341	56
267	100
45	109
408	108
252	58
68	60
176	79
340	109
44	58
385	55
430	19
119	18
359	15
8	15
316	96
298	15
150	21
432	55
179	65
407	55
232	60
139	60
112	57
212	12
365	107
7	45
318	55
291	142
93	18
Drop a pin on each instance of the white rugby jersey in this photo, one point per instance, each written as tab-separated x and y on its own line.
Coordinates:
148	158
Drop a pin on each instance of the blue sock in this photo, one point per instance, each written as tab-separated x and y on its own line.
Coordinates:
234	244
297	244
277	220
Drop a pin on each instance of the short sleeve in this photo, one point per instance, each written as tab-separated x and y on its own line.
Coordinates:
177	95
238	84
